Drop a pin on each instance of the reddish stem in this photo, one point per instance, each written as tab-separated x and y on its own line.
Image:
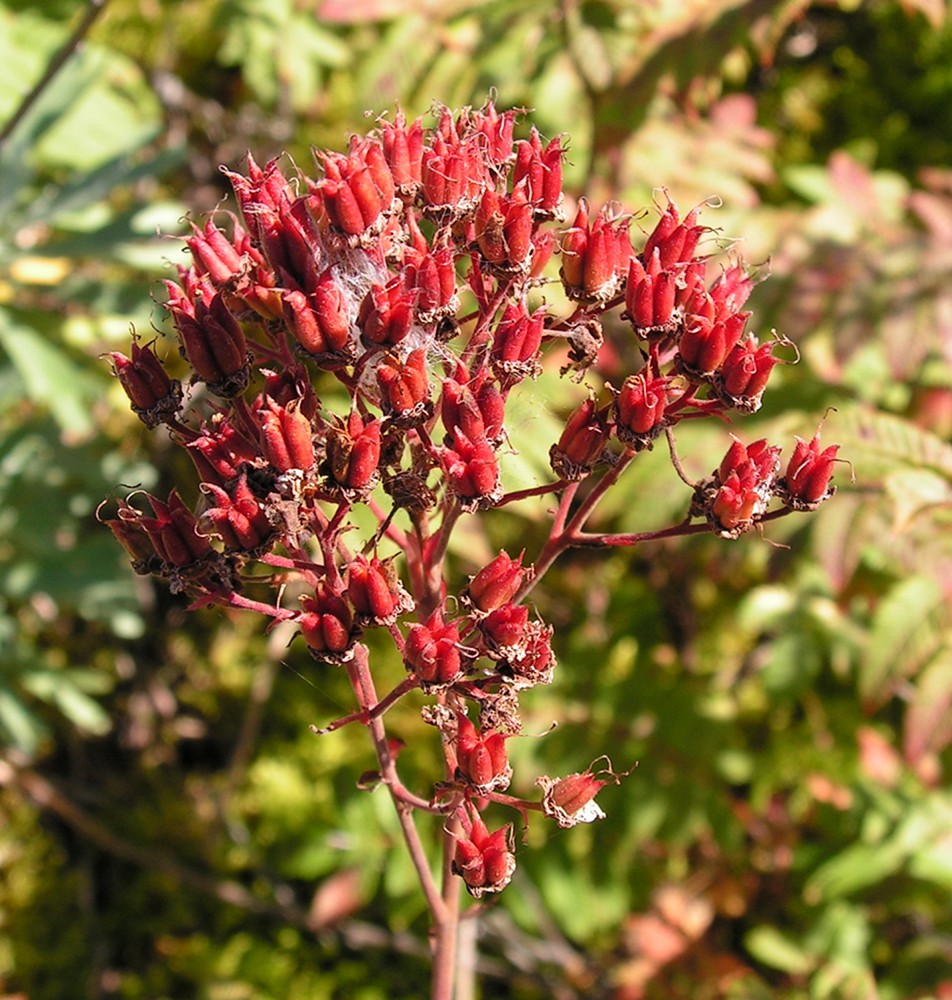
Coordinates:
247	604
358	670
283	562
364	716
395	534
565	529
532	491
446	929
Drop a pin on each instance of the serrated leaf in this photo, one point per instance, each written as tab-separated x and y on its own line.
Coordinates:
392	68
928	722
841	531
908	627
280	49
879	443
915	491
326	47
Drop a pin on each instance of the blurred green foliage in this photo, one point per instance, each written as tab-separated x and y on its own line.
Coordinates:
72	256
173	828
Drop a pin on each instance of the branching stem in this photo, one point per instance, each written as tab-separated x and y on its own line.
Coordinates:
358	669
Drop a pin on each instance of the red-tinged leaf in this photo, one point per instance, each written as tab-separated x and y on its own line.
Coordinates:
654	940
689	912
853	183
879	443
928	722
361	11
934	11
336	897
878	758
841	532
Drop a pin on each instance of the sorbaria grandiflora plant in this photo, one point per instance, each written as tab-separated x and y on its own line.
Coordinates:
406	270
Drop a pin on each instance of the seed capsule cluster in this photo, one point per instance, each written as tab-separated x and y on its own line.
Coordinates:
409	272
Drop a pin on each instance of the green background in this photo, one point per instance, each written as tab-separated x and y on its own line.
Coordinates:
169	827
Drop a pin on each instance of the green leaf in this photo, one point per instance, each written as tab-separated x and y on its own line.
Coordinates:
51	377
926	834
93	186
582	906
279	49
840	533
123	238
61	688
935	11
106	110
921	833
841	935
26	43
879	443
908	627
916	491
691	41
794	661
810	181
933	863
775	949
18	726
838	981
859	866
928	722
533	428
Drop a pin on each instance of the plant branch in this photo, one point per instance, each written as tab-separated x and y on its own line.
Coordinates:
584	539
366	714
446	929
358	670
433	551
532	491
59	59
247	604
565	529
